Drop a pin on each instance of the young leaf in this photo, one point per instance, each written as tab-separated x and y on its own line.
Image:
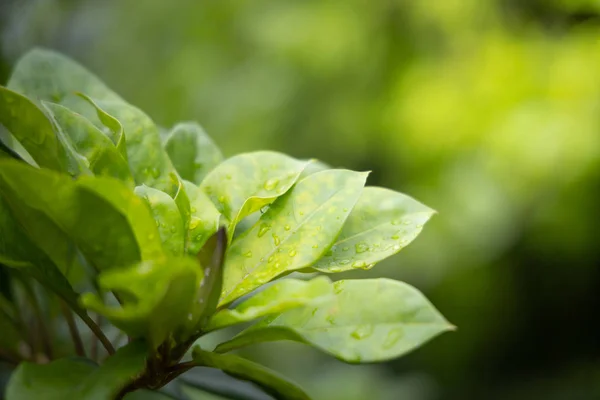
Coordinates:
279	297
67	204
244	183
32	128
78	378
102	156
369	320
167	216
380	225
204	218
293	233
158	298
192	151
240	368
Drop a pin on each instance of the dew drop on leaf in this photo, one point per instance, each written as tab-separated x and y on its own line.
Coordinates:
392	337
287	227
248	254
396	222
315	246
344	261
276	240
271	184
263	229
362	331
292	253
361	247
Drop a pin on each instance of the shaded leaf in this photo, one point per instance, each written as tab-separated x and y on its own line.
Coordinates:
281	296
204	218
67	205
204	383
244	369
53	381
102	156
380	225
192	151
158	298
244	183
167	216
32	129
296	231
211	258
368	320
78	378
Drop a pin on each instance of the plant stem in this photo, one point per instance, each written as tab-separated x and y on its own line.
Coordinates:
79	350
94	342
44	333
98	332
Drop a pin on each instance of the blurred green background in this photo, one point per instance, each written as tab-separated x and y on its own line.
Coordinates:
486	110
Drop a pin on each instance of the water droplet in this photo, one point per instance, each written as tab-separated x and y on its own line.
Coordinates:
359	264
362	331
361	247
264	228
248	254
329	253
173	229
395	237
157	223
392	338
407	222
194	223
271	259
419	226
345	248
330	319
344	262
221	199
264	209
338	287
314	311
154	172
287	227
396	248
271	184
396	222
315	246
301	213
193	210
276	240
228	176
292	253
345	210
319	227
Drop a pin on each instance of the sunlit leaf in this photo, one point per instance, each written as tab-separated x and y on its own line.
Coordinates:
380	225
102	156
296	230
281	296
192	151
368	320
240	368
167	216
157	297
204	218
244	183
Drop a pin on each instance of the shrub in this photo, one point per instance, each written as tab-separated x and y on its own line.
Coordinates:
149	234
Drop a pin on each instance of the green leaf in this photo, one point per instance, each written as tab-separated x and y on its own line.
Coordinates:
281	296
211	257
102	156
158	298
167	216
46	75
67	205
244	183
148	161
192	151
381	224
78	378
204	218
369	320
243	369
117	371
32	128
54	381
294	233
